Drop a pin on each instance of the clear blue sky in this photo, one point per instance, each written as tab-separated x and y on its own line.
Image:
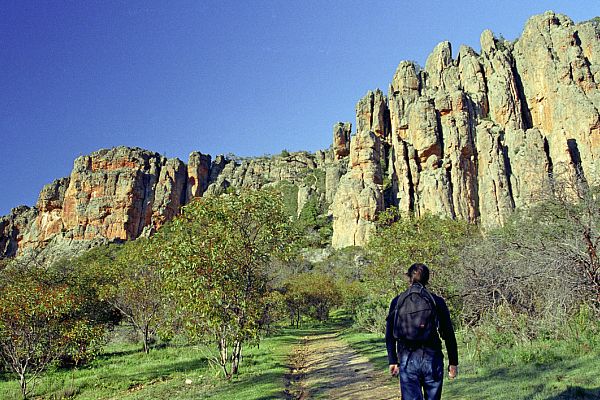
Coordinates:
248	77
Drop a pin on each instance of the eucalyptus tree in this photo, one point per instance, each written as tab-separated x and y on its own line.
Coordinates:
215	258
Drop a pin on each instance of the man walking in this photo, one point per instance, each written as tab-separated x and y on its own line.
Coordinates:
413	344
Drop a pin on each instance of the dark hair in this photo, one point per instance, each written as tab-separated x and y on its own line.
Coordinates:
418	273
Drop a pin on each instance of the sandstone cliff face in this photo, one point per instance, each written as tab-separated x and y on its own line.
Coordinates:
123	193
14	229
198	169
114	194
474	137
341	139
560	88
470	136
359	194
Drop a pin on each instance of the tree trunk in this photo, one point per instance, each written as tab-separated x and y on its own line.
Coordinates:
146	345
235	357
223	357
23	382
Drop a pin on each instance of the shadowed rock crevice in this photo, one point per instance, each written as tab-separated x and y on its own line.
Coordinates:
576	158
507	170
550	163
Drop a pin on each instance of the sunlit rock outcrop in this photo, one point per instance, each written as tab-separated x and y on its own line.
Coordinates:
471	136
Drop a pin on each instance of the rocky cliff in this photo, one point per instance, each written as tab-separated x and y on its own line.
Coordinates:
470	136
474	136
123	193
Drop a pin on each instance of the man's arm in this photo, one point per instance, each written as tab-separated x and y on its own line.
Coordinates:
447	333
390	341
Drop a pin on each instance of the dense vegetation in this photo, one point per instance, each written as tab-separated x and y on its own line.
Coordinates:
241	271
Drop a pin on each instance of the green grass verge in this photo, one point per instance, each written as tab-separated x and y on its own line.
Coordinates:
544	370
548	370
123	372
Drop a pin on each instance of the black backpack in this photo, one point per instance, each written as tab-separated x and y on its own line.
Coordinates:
415	316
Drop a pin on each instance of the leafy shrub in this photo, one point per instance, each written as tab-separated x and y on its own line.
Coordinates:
135	288
353	295
370	317
402	240
543	264
312	294
289	193
42	321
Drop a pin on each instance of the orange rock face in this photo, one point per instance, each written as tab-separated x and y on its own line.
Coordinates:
113	194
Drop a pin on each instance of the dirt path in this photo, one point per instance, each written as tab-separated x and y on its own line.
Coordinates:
323	366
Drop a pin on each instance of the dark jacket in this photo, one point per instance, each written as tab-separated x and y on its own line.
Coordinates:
434	343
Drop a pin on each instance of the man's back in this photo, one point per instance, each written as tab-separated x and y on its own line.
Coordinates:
445	329
416	355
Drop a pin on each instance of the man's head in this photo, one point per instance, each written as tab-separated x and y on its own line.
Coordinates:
418	273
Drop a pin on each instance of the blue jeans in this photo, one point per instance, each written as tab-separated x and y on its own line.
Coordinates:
421	374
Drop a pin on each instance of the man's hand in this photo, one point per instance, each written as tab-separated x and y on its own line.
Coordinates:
394	369
452	371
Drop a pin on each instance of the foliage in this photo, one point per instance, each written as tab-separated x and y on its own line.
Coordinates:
353	295
312	219
346	264
316	226
274	310
214	259
38	324
316	178
566	228
136	288
289	193
284	153
542	266
370	316
312	294
402	240
84	276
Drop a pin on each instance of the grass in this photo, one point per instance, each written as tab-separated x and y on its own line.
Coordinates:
541	370
123	372
544	370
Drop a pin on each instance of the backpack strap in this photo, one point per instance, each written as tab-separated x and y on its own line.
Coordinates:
430	297
437	317
401	299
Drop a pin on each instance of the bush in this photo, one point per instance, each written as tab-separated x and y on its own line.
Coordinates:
353	295
402	240
370	317
289	193
532	284
135	288
543	264
284	153
312	294
41	322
